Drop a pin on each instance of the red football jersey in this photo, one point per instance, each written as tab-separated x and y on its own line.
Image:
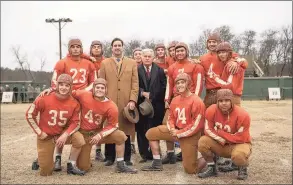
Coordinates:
233	127
55	115
187	115
97	63
195	71
94	113
213	66
233	82
83	73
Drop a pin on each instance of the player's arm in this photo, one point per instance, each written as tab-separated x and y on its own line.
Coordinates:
197	118
242	62
74	122
241	136
92	77
31	115
134	84
198	79
210	124
171	119
170	85
58	69
112	118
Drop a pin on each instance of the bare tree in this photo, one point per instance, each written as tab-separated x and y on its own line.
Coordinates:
283	50
248	41
130	46
19	59
225	33
236	44
268	44
149	44
107	49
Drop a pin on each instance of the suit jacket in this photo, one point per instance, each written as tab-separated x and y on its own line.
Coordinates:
156	85
122	87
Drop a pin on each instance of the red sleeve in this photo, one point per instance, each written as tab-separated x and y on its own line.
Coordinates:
112	118
92	76
197	120
58	69
32	113
241	136
198	78
170	85
74	122
171	119
210	124
231	81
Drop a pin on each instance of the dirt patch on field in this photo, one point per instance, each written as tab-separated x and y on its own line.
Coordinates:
270	162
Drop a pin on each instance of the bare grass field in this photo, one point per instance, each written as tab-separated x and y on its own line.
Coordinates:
270	162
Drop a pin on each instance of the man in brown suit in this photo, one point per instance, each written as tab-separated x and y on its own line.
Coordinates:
122	77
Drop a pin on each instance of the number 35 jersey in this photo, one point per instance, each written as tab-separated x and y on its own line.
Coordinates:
94	113
83	73
55	115
186	115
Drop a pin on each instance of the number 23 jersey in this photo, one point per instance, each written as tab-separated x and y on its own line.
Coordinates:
83	72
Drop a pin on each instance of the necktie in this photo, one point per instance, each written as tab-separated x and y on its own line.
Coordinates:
148	72
118	59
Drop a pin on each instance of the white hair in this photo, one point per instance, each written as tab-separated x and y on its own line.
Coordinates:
148	50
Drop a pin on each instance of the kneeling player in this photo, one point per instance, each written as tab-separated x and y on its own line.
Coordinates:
185	124
95	109
58	123
226	135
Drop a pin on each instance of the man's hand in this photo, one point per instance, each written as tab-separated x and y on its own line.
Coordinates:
167	106
61	140
95	139
146	95
233	67
93	59
43	135
166	71
195	61
131	105
173	132
45	92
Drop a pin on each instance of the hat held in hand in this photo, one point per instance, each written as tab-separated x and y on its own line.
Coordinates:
131	115
146	108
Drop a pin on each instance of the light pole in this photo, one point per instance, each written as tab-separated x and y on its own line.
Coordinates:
52	20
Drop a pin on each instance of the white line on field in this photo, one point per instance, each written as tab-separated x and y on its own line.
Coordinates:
249	108
18	140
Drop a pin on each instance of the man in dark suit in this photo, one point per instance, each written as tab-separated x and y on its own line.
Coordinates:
152	85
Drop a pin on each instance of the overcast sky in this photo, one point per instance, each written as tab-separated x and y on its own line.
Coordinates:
23	23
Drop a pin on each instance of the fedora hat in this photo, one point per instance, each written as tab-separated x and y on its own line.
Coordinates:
131	115
146	108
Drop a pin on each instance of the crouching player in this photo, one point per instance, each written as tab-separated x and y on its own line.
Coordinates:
58	123
95	109
185	124
226	135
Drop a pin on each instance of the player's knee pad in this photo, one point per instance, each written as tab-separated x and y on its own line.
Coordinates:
120	137
239	158
203	143
77	140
